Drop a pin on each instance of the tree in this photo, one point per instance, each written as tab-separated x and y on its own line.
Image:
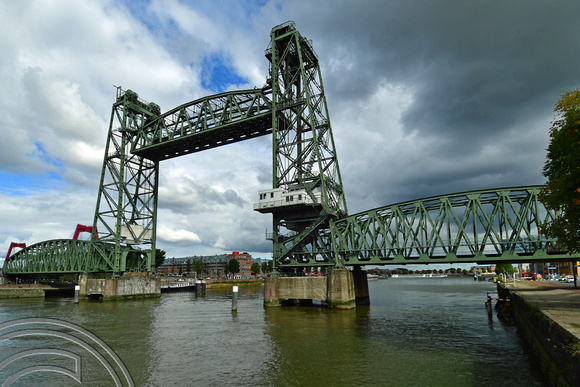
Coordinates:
267	266
562	168
255	268
159	257
198	266
234	266
506	268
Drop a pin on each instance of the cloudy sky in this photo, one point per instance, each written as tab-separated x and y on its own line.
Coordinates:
425	98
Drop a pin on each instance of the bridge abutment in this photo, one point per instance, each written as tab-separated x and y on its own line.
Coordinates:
339	290
135	285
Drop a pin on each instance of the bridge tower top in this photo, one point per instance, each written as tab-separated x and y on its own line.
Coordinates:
304	154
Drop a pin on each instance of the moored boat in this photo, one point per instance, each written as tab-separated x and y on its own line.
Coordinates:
177	286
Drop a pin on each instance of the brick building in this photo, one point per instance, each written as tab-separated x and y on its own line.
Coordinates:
245	261
215	265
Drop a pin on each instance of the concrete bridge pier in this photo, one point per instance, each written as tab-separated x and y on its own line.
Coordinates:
134	285
361	286
339	290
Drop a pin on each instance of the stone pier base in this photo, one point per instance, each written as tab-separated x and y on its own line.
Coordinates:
338	290
137	285
361	287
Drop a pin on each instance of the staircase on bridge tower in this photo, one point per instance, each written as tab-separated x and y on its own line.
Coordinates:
307	191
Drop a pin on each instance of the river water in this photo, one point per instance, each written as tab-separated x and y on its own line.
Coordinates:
416	332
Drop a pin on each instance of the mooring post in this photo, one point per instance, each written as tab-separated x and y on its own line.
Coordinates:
77	293
235	298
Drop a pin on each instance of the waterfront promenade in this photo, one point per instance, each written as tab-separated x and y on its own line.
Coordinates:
548	314
558	301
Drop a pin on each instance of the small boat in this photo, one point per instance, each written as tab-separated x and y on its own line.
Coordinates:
177	286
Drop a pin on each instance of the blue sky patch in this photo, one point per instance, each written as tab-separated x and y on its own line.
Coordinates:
217	75
24	185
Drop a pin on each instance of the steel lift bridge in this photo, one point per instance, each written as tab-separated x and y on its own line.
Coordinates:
311	225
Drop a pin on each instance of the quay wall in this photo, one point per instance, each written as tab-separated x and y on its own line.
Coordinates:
13	291
555	348
133	286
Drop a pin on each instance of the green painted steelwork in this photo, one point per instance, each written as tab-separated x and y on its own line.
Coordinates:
69	256
206	123
304	154
311	225
501	225
126	210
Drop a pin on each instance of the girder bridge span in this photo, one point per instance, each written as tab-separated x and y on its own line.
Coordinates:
311	227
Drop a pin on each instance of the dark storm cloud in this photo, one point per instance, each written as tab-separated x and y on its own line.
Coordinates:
467	62
480	75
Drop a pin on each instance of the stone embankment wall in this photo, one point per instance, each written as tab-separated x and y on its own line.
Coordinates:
25	291
557	351
133	286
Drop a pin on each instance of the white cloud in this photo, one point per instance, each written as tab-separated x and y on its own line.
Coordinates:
167	234
418	106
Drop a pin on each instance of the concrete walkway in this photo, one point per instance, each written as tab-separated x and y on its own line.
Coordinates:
559	301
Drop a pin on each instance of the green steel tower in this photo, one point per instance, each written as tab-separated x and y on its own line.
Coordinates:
126	210
307	189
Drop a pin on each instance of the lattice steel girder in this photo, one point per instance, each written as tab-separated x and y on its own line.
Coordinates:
480	226
70	256
126	210
62	256
304	155
302	142
206	123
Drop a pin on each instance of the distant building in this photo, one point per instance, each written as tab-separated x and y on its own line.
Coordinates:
245	261
557	269
215	265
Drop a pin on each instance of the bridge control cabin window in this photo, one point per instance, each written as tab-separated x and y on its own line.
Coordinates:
283	197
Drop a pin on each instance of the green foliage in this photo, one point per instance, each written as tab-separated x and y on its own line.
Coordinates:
506	268
233	266
562	168
267	267
159	257
255	268
198	266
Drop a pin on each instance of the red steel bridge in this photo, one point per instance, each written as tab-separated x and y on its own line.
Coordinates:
311	226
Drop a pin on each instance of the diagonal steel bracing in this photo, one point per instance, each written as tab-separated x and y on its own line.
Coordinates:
311	227
480	226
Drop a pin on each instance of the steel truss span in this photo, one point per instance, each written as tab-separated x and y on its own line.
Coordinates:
310	222
500	225
71	256
206	123
57	256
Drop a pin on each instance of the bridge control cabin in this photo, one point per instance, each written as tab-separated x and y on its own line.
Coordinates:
280	199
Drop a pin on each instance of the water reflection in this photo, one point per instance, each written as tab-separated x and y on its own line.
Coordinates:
433	332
